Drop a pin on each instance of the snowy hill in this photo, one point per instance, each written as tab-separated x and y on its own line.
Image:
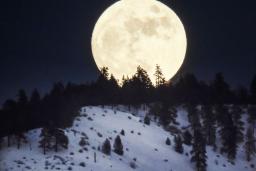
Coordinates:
144	146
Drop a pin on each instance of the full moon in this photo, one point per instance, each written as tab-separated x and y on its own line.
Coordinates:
133	33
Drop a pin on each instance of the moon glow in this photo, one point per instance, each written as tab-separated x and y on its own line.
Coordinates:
133	33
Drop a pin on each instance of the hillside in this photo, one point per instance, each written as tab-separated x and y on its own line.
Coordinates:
144	146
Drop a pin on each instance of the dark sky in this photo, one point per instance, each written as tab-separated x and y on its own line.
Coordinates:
46	41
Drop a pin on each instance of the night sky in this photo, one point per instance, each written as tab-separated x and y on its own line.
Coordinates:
46	41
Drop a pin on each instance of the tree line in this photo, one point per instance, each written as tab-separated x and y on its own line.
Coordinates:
220	107
60	106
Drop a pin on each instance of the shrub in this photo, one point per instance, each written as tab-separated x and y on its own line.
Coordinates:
147	120
168	141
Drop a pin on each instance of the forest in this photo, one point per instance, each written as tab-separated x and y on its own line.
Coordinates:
220	107
61	105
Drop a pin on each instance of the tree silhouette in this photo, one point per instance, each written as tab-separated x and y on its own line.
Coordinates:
118	146
209	125
250	144
106	147
160	80
178	146
199	151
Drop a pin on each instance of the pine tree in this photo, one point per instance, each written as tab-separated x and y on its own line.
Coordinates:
20	138
178	146
199	151
106	147
236	113
228	133
118	146
52	138
221	111
187	138
193	116
167	115
22	112
35	97
250	144
35	109
140	87
155	109
160	80
45	141
168	141
221	90
147	120
122	132
22	97
143	78
252	116
242	95
60	139
104	74
209	125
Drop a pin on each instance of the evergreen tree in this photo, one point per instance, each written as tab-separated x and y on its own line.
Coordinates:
35	97
237	116
113	90
155	109
167	115
147	120
10	120
168	141
252	116
209	125
52	138
118	146
22	112
122	132
60	139
141	87
104	74
250	144
199	151
22	98
187	138
228	133
221	90
35	109
106	147
160	80
20	138
242	95
46	140
193	116
221	111
178	146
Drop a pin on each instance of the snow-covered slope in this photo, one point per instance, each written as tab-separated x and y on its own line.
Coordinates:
143	145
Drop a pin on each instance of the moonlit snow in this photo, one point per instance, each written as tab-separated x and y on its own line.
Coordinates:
143	143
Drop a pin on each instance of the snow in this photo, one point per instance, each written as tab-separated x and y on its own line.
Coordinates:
146	144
